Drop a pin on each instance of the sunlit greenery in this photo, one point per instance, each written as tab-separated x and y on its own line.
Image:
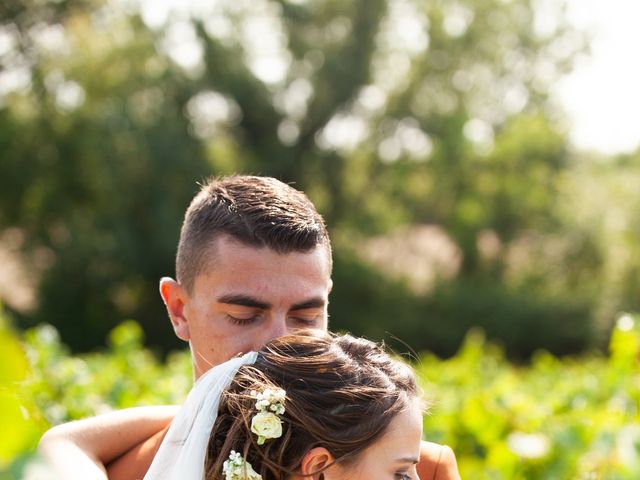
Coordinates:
391	114
571	418
405	121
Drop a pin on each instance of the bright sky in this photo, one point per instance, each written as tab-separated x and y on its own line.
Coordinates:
602	95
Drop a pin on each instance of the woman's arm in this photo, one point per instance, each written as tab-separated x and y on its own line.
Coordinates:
80	449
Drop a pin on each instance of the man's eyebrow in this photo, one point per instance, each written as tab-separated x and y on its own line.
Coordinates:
244	301
317	302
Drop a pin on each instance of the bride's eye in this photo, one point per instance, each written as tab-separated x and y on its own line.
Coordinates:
402	476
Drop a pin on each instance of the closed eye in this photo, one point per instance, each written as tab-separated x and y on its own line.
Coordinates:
306	322
242	321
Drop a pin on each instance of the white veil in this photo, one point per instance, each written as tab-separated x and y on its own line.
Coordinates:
182	452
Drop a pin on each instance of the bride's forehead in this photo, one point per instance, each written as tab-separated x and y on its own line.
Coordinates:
404	432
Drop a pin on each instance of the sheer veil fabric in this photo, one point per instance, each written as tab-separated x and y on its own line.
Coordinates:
182	452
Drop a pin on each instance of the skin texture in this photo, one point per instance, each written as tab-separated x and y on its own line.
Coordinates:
437	462
247	297
392	457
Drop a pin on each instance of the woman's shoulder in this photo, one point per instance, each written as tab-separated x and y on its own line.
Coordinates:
437	462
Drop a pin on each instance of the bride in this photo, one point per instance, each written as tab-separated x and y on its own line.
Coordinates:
310	406
307	406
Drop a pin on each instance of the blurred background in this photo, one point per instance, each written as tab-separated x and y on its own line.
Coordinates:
477	162
435	137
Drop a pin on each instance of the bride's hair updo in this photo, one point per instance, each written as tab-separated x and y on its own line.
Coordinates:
342	393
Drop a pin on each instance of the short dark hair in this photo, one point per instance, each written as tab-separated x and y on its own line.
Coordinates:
342	393
256	211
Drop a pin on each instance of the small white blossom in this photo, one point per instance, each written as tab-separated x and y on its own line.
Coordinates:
237	468
270	399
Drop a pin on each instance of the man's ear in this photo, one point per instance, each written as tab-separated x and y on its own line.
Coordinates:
175	297
315	462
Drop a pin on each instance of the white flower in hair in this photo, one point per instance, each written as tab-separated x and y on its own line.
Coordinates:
266	423
237	468
272	399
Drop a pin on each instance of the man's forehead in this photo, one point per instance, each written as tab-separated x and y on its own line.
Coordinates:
225	251
233	268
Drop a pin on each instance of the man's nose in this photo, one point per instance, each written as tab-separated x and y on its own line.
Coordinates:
277	327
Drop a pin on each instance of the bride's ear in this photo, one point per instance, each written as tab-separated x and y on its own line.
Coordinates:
314	463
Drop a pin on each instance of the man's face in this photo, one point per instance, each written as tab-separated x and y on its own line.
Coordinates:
248	297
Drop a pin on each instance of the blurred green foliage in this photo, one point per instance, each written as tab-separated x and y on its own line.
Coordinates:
387	113
571	418
20	433
575	418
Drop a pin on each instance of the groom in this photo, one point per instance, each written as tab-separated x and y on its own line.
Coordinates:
253	263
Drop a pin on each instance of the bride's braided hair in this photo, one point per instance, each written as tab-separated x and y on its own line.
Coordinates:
342	393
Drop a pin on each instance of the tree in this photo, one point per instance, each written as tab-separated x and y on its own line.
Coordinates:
387	112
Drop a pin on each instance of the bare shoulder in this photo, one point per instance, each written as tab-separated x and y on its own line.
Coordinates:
437	462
